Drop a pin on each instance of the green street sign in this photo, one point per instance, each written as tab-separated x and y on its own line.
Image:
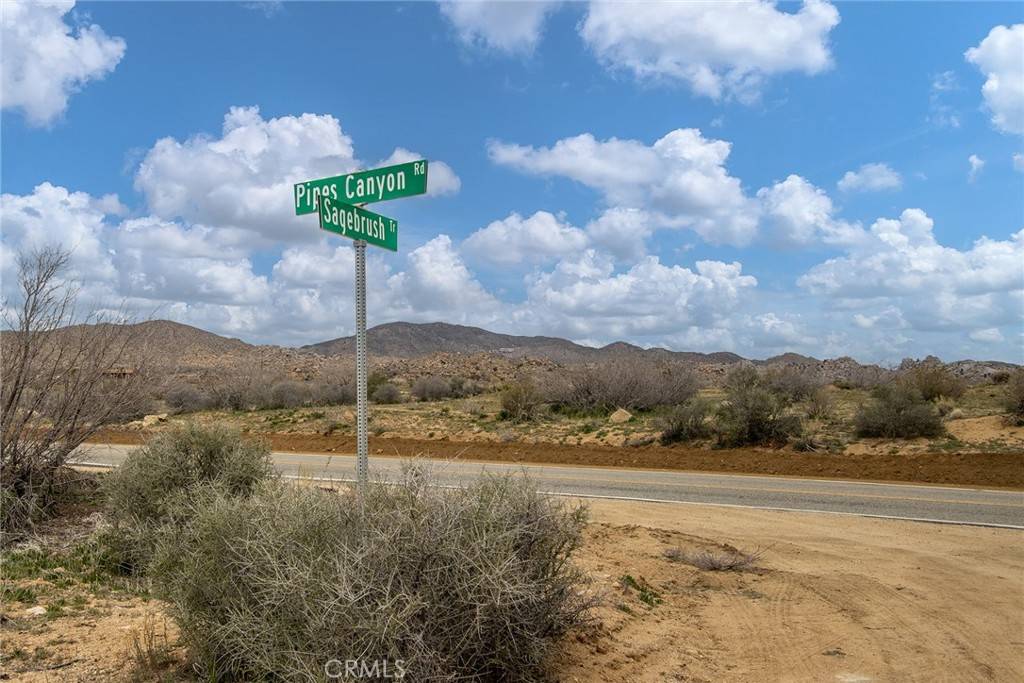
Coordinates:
358	224
377	185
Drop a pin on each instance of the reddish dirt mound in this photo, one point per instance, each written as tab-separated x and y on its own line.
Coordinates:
971	469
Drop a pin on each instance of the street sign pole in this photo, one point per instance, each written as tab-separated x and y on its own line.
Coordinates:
338	202
361	440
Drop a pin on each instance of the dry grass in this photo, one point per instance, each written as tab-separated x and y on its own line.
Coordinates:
151	653
725	559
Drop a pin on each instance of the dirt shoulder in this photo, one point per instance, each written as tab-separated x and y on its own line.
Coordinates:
832	599
995	469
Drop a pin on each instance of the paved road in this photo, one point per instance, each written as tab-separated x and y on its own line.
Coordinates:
902	501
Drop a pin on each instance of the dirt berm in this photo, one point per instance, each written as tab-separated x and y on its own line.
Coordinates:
1002	469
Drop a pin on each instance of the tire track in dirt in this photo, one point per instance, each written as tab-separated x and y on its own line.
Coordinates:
814	611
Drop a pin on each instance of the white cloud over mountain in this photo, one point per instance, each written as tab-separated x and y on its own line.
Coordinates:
719	49
999	57
212	203
584	296
902	269
46	60
680	180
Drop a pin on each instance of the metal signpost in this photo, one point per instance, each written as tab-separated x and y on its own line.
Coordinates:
333	199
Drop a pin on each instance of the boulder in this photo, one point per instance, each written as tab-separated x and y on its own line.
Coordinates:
619	416
152	420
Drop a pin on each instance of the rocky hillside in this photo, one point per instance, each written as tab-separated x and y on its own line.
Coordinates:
410	350
413	340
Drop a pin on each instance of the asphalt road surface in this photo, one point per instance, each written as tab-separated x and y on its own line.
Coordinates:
900	501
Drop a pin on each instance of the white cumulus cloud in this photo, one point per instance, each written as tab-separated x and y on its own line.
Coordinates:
870	178
437	285
441	179
46	60
242	181
622	232
1000	57
901	268
583	297
681	179
510	27
517	240
797	213
52	215
719	49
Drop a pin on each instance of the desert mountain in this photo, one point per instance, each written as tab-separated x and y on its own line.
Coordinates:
411	340
442	348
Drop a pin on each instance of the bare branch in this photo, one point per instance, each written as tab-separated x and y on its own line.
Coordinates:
61	382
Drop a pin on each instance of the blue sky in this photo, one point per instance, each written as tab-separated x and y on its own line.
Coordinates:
158	140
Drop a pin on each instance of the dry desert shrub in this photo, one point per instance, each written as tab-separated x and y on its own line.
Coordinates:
857	376
723	559
1015	398
386	393
458	584
249	387
462	387
753	414
337	393
185	398
431	388
288	394
820	405
934	382
627	383
792	383
520	402
687	422
898	410
154	484
1000	376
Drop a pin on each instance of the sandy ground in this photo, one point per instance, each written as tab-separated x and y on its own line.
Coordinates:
840	599
833	598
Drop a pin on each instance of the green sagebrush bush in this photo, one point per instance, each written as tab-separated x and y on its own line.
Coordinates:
686	422
898	410
456	584
154	485
753	414
520	402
